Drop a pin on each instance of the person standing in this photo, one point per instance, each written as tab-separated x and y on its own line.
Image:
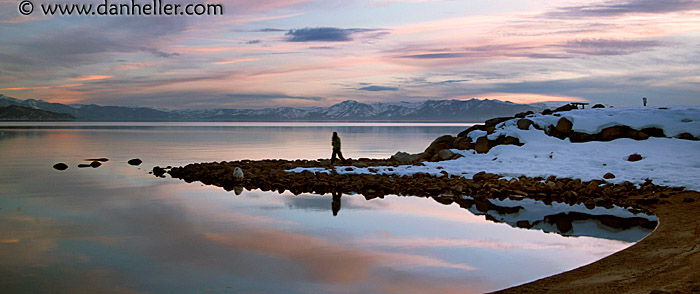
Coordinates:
335	142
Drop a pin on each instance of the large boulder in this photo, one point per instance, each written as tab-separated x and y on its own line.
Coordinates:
404	157
654	132
470	129
463	143
482	145
612	133
524	124
564	126
443	142
445	154
494	121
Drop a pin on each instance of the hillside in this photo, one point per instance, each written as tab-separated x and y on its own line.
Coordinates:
21	113
472	110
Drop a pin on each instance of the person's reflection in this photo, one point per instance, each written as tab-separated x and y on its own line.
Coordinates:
335	205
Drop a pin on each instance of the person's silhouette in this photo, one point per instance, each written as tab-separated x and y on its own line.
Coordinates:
335	205
335	142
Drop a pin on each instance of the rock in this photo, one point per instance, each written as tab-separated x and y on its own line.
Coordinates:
462	143
402	157
83	165
482	145
134	161
95	164
443	142
60	166
472	128
495	121
547	112
158	171
564	126
612	133
523	224
238	173
102	159
686	136
567	107
609	176
445	154
654	132
688	200
523	114
634	157
577	137
598	106
524	124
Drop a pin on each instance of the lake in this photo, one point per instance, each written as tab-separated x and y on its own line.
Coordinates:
117	229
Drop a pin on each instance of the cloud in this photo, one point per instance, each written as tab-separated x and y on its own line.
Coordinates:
271	96
608	46
435	55
323	34
269	30
615	8
378	88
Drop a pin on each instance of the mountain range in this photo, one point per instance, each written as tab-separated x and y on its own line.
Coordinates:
473	110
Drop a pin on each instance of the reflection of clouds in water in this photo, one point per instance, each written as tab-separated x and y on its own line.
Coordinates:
33	259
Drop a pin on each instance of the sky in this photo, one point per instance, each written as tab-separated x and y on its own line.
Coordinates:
271	53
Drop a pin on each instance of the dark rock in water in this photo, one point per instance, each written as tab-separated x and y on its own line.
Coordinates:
598	106
524	124
482	145
82	165
60	166
547	112
609	176
634	157
102	159
135	161
95	164
158	171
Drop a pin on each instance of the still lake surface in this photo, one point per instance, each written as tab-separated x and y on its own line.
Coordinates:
117	229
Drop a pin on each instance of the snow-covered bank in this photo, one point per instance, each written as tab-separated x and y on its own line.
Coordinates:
667	161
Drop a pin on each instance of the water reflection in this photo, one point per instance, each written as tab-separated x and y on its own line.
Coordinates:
117	229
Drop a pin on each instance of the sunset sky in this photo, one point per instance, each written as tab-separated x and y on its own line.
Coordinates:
264	53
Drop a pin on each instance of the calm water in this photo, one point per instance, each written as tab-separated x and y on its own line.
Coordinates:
118	229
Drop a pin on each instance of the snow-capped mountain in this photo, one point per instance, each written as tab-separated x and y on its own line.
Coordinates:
473	110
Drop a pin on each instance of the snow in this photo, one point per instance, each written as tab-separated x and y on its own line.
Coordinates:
667	161
674	120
